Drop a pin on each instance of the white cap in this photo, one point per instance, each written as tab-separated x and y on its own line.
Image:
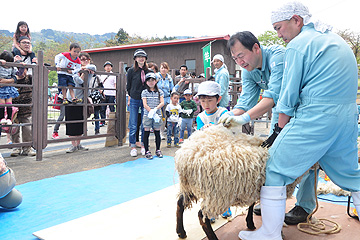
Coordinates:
187	91
218	57
209	88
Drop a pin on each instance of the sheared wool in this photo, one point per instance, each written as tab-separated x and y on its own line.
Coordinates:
330	187
222	168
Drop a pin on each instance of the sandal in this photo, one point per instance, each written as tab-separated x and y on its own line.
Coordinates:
65	101
76	100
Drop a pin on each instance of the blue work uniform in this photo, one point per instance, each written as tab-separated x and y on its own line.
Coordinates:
269	78
222	78
319	89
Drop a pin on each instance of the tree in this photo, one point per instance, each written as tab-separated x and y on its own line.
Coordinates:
353	39
5	42
122	37
270	38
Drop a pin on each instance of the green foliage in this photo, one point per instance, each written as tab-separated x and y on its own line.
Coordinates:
5	42
353	39
270	38
52	78
122	38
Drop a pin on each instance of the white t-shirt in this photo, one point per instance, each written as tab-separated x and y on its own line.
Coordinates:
110	82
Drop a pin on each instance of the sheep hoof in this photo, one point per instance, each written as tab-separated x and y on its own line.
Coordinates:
182	235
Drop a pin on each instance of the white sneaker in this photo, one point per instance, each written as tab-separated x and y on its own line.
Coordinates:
133	152
143	151
3	121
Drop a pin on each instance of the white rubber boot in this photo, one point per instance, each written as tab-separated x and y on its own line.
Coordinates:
273	203
356	201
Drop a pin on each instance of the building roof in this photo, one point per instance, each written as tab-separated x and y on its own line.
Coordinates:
156	44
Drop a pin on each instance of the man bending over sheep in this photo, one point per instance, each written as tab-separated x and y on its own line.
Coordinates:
263	69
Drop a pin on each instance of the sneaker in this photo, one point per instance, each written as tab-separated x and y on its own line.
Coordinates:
168	145
71	149
3	121
159	153
142	151
181	141
65	101
227	214
295	216
133	152
97	131
55	135
15	152
29	152
8	122
177	145
148	155
82	148
212	220
76	100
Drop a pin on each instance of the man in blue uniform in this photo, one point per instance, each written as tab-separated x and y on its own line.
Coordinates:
317	111
262	69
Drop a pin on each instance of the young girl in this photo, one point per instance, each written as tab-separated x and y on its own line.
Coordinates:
153	101
22	29
7	93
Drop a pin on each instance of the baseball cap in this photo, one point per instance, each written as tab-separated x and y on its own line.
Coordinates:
150	75
209	88
187	91
108	63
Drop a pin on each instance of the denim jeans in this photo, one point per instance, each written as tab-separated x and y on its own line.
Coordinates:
133	119
172	128
96	116
186	123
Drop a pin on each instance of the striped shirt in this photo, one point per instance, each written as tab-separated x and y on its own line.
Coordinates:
152	100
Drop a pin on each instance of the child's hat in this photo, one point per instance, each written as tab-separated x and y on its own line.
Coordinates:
150	75
108	63
209	88
91	67
187	91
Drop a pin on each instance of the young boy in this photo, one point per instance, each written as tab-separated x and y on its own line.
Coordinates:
189	107
209	95
173	110
68	60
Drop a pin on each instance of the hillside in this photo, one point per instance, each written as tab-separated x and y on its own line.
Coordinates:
59	36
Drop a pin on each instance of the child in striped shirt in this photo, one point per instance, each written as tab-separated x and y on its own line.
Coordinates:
153	100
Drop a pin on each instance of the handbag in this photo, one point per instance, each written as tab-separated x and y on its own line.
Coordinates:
90	107
95	95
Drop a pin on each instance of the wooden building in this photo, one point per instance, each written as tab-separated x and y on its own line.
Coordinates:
174	52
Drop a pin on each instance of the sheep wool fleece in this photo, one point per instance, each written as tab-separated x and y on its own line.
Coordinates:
218	165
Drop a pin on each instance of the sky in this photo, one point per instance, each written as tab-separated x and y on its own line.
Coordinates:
161	18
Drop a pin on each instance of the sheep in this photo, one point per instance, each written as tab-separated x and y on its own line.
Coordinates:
223	168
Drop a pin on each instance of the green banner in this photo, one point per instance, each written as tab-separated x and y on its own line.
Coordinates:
207	58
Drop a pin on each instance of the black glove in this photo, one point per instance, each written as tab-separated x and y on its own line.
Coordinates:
268	142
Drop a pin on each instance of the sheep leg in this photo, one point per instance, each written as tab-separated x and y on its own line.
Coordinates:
249	218
179	218
206	226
